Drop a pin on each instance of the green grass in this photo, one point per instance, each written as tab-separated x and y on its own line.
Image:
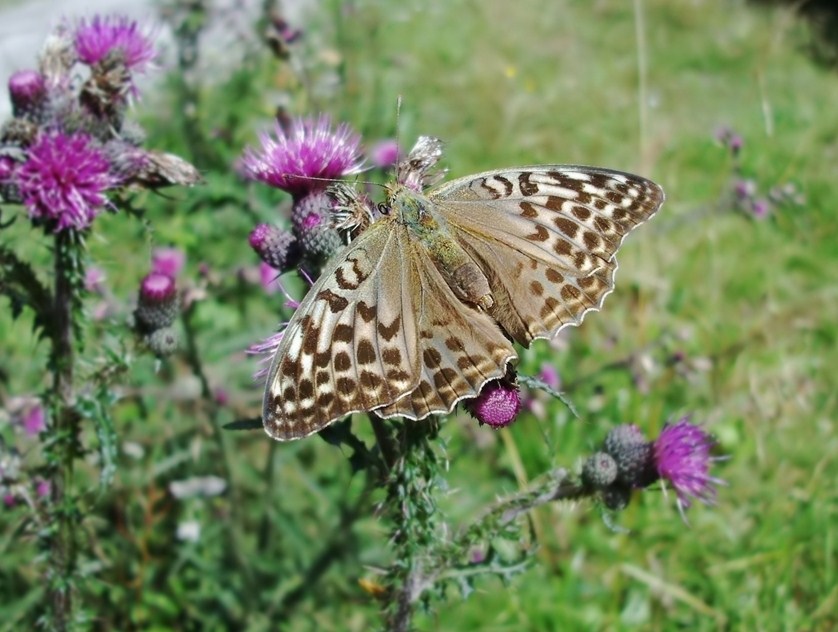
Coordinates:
751	304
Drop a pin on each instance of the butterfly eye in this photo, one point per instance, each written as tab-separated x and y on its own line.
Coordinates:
383	208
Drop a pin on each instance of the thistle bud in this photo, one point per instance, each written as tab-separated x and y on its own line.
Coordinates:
497	405
157	306
28	93
633	454
276	247
599	471
162	342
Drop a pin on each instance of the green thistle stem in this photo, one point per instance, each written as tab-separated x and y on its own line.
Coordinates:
62	539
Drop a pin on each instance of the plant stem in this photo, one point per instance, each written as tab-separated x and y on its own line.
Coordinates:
63	541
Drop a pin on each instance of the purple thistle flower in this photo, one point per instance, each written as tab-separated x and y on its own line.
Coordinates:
682	457
42	488
168	261
550	376
64	179
157	305
760	208
101	36
268	277
266	349
385	154
745	189
497	405
94	280
310	148
7	169
34	420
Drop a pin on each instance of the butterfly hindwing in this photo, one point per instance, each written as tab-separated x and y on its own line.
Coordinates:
461	347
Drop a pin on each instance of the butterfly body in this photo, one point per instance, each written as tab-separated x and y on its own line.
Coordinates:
420	311
419	216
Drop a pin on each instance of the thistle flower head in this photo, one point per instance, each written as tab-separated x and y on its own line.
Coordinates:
385	154
308	148
497	405
96	39
168	261
64	179
34	420
157	305
682	455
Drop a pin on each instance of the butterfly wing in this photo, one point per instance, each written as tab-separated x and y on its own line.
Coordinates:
546	238
461	347
352	344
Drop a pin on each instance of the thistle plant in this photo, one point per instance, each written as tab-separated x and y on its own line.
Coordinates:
409	458
68	155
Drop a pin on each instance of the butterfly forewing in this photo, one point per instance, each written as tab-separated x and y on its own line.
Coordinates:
546	238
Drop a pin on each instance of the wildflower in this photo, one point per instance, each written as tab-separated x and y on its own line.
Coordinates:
102	36
28	92
744	189
198	487
189	531
266	349
550	376
682	458
760	208
63	181
384	154
292	158
268	278
168	261
34	420
42	488
94	280
157	306
497	405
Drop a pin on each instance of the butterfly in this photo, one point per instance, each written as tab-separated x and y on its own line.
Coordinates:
421	309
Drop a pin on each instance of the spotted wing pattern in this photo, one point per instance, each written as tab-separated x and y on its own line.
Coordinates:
546	237
352	344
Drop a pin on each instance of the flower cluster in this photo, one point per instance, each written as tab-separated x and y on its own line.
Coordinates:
680	457
302	157
68	150
748	197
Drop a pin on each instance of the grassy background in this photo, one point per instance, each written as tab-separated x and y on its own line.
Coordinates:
749	304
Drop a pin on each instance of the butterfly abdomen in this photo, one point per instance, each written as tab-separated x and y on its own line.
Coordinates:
431	232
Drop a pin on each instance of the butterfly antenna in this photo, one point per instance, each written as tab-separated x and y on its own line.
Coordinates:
398	136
